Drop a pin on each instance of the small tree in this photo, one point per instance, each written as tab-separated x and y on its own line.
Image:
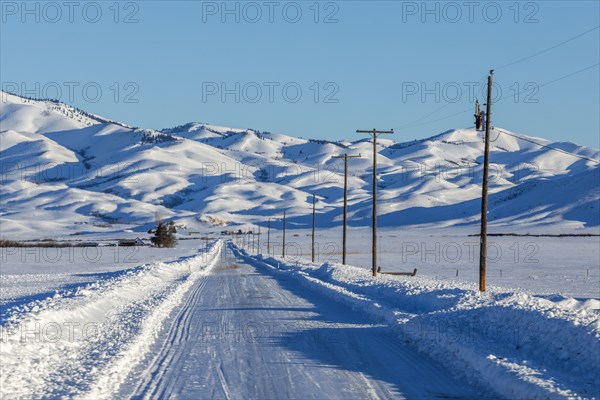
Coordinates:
164	235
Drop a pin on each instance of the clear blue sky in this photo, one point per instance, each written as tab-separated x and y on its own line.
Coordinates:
373	57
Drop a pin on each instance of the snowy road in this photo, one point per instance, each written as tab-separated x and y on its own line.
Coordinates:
246	333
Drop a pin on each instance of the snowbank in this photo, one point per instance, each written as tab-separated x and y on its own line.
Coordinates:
520	345
95	334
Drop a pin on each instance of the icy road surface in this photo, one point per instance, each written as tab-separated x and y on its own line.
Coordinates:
245	333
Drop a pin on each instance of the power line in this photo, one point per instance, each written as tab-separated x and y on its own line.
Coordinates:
435	111
468	109
549	48
412	124
548	147
552	81
408	125
436	120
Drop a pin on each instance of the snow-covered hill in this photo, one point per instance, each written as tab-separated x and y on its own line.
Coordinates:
65	171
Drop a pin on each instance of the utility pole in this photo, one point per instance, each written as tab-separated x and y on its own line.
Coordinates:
258	246
252	245
374	133
484	194
345	157
313	229
269	237
283	247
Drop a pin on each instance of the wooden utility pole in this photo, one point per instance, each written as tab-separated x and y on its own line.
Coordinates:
374	133
269	237
484	194
345	218
283	247
258	246
313	229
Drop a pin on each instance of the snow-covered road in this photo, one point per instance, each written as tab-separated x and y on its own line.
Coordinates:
245	332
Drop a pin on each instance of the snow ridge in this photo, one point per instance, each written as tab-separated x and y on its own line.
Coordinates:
79	172
93	336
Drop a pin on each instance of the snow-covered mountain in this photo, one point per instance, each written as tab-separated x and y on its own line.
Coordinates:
65	171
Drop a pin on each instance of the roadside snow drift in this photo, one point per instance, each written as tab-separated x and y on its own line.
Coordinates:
521	346
94	334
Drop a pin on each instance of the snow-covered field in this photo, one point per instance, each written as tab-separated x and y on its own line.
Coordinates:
32	273
563	266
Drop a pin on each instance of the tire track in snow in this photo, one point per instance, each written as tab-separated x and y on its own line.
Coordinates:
224	384
177	334
113	377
